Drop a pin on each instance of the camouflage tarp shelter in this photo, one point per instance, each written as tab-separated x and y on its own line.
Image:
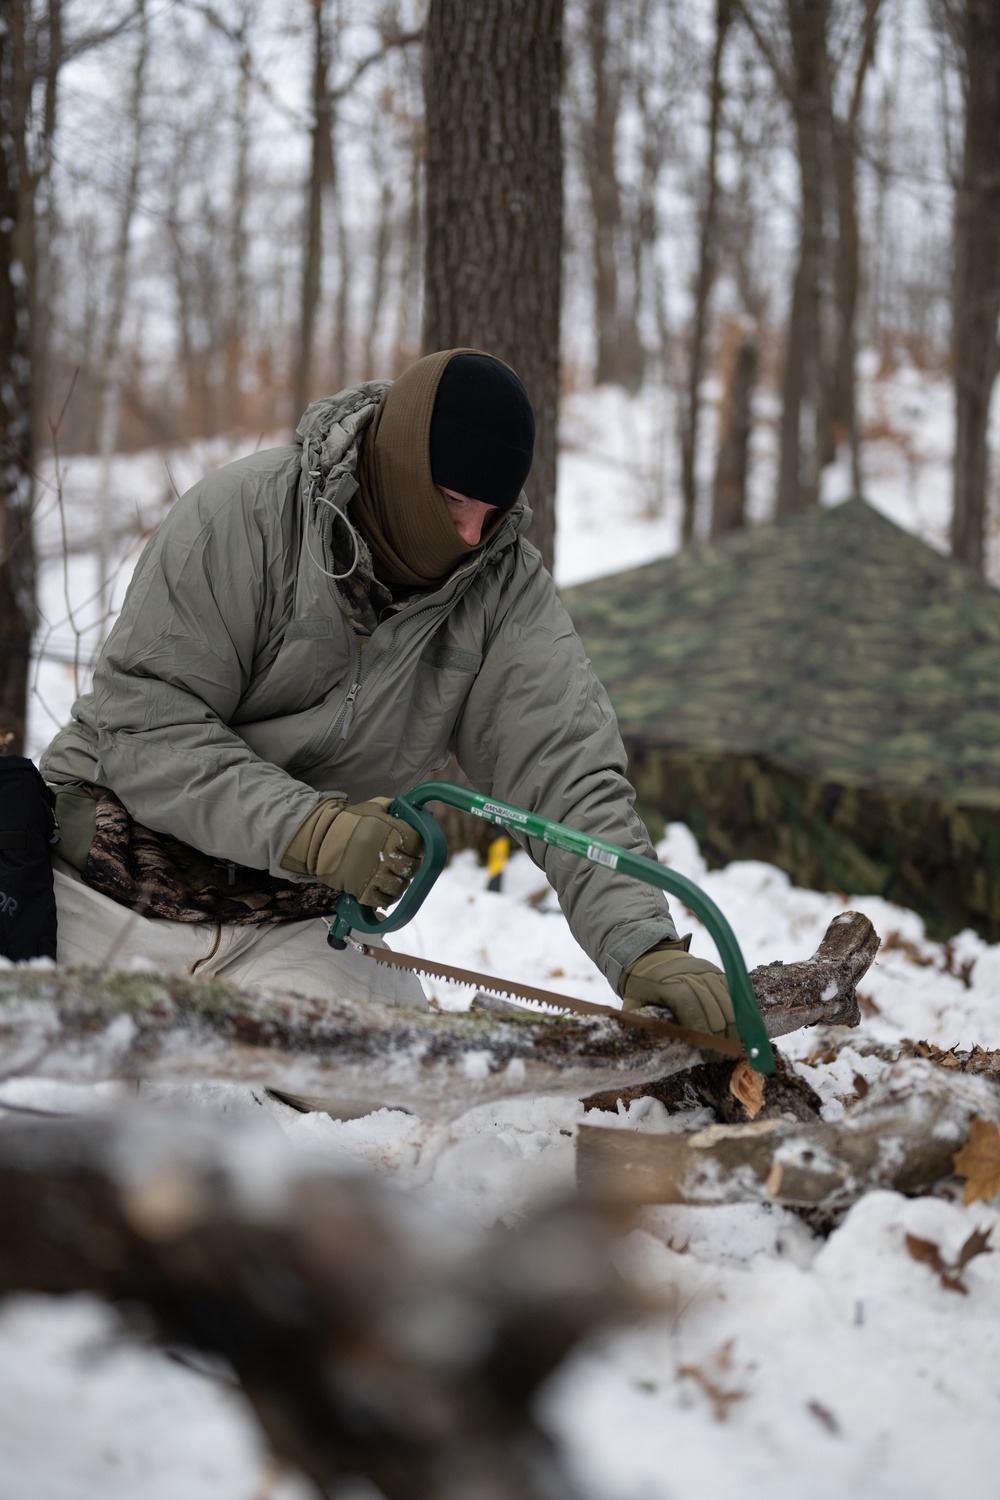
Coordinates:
822	693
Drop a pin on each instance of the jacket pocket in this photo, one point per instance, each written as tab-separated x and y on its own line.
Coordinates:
441	657
314	658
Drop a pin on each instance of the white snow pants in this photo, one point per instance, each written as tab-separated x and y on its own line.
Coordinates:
289	957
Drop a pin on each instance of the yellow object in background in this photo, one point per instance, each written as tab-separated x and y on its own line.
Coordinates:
497	856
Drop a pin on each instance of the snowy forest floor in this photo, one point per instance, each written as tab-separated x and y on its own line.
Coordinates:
788	1364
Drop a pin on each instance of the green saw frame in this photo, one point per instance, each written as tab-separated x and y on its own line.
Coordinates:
350	915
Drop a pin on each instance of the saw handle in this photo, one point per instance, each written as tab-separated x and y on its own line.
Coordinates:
350	915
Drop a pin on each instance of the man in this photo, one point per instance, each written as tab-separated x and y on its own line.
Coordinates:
315	628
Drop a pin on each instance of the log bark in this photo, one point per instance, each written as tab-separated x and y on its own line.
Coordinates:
902	1135
783	1094
820	990
493	246
372	1339
350	1059
84	1026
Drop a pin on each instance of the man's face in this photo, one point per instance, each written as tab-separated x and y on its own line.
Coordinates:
469	517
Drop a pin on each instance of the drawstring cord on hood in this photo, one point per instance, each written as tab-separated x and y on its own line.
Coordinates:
354	535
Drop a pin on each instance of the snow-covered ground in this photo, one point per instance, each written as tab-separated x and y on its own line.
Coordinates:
782	1364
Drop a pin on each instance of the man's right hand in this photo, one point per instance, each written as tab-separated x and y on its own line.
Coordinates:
357	848
693	991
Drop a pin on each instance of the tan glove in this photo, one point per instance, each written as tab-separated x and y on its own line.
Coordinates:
357	848
693	991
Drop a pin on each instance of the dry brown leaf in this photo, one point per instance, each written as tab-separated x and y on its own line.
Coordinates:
860	1086
978	1243
748	1087
930	1254
721	1398
979	1161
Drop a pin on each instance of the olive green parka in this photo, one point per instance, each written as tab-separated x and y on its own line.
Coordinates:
233	693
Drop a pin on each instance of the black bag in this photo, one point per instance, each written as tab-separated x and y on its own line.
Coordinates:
27	830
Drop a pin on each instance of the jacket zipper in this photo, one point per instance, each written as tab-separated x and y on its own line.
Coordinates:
348	711
345	717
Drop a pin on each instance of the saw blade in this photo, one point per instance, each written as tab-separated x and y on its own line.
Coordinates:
506	989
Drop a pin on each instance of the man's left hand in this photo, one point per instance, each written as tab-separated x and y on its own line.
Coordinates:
694	991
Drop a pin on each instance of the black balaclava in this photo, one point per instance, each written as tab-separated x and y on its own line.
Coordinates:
482	431
479	414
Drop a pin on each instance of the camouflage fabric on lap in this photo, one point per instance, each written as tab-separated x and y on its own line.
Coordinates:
162	877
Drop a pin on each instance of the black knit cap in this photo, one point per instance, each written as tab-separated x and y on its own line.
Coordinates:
482	431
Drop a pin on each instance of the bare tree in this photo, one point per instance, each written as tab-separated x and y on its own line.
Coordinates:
842	407
321	183
818	392
975	27
739	362
619	347
113	364
494	202
802	415
704	278
18	39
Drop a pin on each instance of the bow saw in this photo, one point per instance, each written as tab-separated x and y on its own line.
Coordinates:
350	917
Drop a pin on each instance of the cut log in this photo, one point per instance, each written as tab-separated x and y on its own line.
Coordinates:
84	1027
902	1135
821	990
373	1337
785	1094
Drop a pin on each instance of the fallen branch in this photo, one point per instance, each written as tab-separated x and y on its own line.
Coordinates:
821	989
85	1027
902	1135
721	1087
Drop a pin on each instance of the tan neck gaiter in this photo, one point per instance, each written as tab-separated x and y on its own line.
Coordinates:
398	508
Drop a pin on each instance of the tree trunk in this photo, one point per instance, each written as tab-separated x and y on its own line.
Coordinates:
493	244
729	496
17	550
618	345
842	424
707	258
802	417
112	367
381	250
45	215
321	172
976	288
842	406
236	321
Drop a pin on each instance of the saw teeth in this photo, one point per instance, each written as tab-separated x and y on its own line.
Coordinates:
540	1006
